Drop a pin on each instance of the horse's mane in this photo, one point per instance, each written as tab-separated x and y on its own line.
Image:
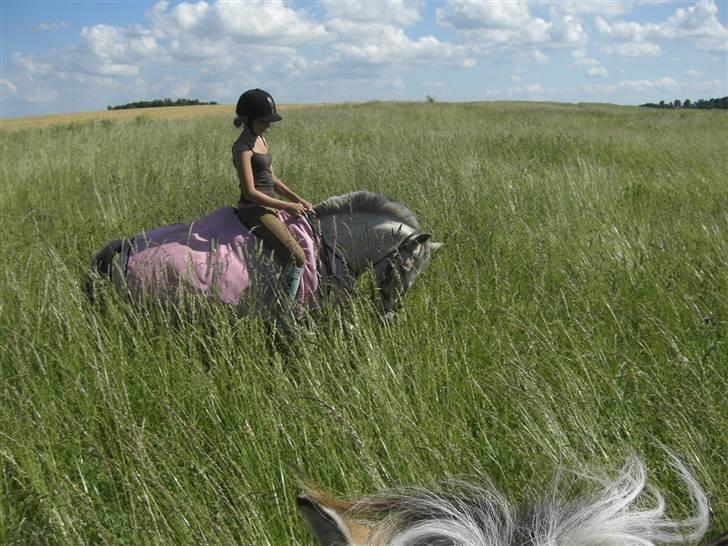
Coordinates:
626	510
367	202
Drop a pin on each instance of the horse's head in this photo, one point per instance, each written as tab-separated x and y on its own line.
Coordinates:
396	272
373	232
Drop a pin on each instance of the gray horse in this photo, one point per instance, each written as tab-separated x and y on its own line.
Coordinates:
624	511
218	257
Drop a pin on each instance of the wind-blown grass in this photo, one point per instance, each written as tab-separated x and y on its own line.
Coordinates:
578	313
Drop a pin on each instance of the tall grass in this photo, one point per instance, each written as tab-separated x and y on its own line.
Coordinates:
578	313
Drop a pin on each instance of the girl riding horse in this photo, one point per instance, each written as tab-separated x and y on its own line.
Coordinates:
259	188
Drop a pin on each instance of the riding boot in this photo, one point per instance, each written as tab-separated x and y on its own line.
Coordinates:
290	281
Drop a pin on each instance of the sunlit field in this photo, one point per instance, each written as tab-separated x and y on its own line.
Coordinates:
577	314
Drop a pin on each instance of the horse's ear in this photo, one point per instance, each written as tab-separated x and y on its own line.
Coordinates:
422	237
324	523
327	524
434	247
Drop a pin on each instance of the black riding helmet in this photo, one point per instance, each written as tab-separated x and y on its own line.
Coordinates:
256	104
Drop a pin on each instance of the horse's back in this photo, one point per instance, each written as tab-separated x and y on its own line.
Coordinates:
215	256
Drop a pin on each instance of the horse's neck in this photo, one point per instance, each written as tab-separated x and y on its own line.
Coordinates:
362	238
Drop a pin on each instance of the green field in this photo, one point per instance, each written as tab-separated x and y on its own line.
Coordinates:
578	313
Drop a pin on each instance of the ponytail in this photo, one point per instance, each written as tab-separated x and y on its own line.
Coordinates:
238	121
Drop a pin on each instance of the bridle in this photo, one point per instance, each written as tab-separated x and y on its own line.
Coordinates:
396	264
332	256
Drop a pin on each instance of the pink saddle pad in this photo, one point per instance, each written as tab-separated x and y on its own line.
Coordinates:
215	256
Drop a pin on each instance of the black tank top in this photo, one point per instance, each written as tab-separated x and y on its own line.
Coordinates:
262	172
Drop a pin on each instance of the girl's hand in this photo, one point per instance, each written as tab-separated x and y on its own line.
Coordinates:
297	209
306	204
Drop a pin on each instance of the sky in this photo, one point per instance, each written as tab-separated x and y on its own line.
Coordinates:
80	56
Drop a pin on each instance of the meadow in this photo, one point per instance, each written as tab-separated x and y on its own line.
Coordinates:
577	314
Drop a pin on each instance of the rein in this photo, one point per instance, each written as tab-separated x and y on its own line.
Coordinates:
333	255
326	259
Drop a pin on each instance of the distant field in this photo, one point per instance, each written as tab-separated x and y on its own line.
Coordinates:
170	113
578	313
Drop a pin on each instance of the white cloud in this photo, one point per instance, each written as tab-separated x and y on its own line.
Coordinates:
525	92
182	89
664	88
9	86
567	30
113	51
597	71
693	73
383	44
539	56
581	59
698	22
606	8
51	26
660	84
101	64
530	89
634	32
399	12
713	87
29	65
103	50
395	47
255	21
213	33
631	39
179	35
495	14
217	47
506	26
634	49
193	49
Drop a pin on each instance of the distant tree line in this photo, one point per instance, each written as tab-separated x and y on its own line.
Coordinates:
159	103
702	104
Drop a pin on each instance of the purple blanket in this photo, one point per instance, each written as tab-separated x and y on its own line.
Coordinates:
215	256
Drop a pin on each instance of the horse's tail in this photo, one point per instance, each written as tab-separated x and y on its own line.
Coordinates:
101	266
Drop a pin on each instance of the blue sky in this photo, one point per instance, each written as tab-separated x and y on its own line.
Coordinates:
70	56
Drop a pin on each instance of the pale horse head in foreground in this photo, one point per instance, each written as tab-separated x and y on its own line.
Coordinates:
626	510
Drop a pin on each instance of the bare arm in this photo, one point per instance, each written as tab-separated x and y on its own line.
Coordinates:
288	193
255	196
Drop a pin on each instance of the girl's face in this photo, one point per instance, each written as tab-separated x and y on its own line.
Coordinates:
260	127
